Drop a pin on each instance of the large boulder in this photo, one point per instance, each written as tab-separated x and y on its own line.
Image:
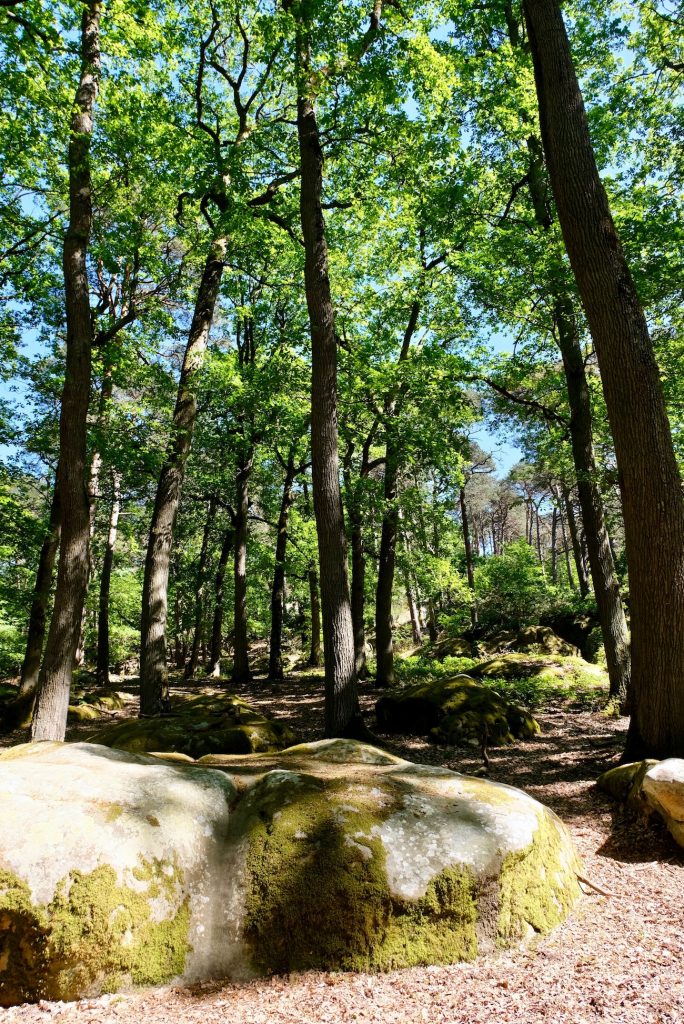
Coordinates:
551	669
198	725
663	787
530	640
650	787
123	869
112	873
452	711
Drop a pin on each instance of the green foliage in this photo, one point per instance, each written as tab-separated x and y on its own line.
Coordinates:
512	587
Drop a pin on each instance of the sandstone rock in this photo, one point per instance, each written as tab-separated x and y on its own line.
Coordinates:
531	640
452	711
120	868
452	647
663	787
548	668
112	871
201	725
624	782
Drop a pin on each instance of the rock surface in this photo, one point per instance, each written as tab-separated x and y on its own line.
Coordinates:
454	710
650	787
549	668
111	871
530	640
121	868
663	787
196	726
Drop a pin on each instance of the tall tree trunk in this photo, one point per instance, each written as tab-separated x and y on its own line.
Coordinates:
241	670
580	567
153	669
384	675
102	668
358	589
315	657
275	656
604	578
601	564
52	701
653	506
341	700
470	569
39	605
215	651
432	621
554	546
198	631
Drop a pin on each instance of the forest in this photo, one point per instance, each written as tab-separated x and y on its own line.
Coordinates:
341	453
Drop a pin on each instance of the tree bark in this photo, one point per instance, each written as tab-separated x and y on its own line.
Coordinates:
384	675
580	568
241	670
554	546
153	669
214	667
601	564
604	578
198	631
315	652
341	700
102	667
470	569
275	656
653	506
52	701
39	605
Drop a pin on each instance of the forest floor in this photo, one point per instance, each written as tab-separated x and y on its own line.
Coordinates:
618	959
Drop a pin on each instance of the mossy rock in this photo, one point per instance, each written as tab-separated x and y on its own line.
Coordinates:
208	724
555	670
623	783
452	647
330	855
361	861
650	787
104	874
83	713
530	640
457	710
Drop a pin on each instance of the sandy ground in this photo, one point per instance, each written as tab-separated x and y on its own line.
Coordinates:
619	958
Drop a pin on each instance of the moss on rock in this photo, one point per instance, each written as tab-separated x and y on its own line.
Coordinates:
624	782
537	885
553	669
96	934
318	895
454	710
198	726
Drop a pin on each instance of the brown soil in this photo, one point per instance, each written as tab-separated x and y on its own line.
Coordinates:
618	959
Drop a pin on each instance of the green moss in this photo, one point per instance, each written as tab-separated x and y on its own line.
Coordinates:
83	713
23	943
537	885
210	724
624	782
318	893
455	710
94	935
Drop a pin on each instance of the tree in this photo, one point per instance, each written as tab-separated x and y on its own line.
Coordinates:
49	720
650	482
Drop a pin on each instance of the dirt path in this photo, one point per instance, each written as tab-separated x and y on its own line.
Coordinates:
618	959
